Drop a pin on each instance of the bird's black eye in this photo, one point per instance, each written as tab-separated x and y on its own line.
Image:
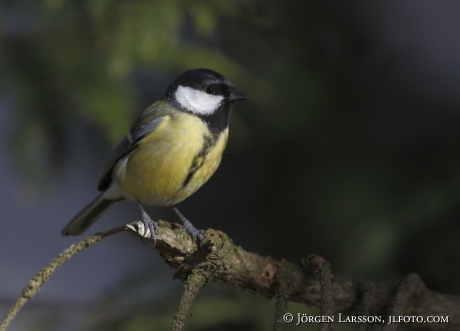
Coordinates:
210	89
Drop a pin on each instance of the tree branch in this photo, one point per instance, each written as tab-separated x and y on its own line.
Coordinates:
192	286
36	283
218	259
221	261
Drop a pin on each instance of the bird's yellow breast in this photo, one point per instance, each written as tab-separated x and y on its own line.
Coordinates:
172	162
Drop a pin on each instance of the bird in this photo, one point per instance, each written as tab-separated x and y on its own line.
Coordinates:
171	150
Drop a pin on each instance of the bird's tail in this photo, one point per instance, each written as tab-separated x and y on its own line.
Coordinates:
90	214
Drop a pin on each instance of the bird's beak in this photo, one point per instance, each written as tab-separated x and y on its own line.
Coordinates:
236	96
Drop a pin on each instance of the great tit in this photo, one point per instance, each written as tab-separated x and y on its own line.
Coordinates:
170	151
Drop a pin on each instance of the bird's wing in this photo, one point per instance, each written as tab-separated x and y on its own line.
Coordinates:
126	145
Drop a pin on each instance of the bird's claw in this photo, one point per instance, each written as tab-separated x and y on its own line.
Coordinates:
195	233
189	226
151	225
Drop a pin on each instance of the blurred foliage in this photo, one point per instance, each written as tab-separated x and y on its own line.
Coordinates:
331	155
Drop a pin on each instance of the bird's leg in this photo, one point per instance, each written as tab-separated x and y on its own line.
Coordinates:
148	223
189	226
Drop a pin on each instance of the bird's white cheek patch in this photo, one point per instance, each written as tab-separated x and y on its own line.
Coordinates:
197	101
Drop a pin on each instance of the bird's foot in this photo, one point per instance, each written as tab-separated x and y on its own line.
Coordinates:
194	232
188	226
149	224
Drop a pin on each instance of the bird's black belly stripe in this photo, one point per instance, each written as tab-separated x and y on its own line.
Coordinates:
200	157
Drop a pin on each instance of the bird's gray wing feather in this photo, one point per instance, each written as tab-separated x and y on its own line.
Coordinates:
126	145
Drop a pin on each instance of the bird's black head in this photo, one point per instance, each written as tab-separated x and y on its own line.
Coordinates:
206	94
